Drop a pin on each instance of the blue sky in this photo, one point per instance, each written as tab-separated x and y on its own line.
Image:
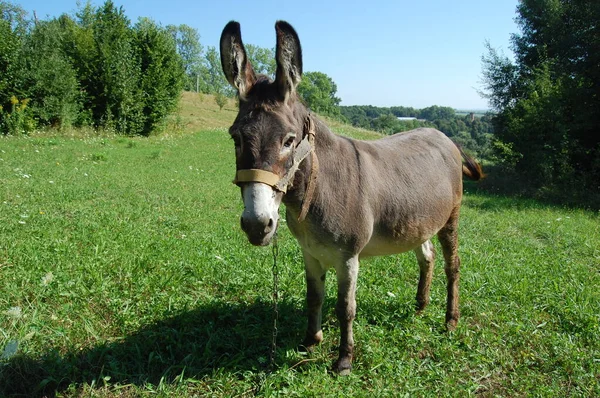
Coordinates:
383	53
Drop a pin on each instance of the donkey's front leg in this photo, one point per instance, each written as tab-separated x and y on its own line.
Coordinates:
315	294
347	273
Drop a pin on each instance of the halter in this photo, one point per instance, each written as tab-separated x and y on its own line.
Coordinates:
281	184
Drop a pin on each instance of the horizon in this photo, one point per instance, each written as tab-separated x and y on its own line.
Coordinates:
385	54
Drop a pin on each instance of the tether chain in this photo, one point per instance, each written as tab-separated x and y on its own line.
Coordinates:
275	298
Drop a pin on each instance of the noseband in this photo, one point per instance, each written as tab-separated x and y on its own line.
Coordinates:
281	184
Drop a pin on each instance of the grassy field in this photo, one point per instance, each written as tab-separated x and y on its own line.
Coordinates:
123	272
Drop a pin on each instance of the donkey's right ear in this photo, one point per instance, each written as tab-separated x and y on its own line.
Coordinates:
235	63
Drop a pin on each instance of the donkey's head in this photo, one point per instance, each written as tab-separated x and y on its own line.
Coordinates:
268	131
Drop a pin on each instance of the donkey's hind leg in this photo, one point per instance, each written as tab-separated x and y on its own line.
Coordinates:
426	258
448	237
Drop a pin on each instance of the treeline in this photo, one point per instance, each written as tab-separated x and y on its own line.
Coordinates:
93	68
473	133
548	99
96	68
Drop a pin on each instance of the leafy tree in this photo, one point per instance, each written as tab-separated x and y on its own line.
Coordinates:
386	123
91	68
436	112
319	93
548	99
221	100
162	72
13	30
190	50
402	111
262	59
117	87
52	82
214	79
79	44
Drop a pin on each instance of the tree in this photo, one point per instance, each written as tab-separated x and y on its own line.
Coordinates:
119	74
162	72
221	100
52	81
213	77
319	93
13	31
436	112
262	59
190	50
548	99
92	68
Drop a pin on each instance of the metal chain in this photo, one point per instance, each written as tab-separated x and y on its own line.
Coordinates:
275	299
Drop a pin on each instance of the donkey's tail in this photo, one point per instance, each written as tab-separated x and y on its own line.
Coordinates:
470	167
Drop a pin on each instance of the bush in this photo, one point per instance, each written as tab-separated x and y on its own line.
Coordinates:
18	120
221	100
93	70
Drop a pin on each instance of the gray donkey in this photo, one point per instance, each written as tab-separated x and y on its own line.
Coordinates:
345	199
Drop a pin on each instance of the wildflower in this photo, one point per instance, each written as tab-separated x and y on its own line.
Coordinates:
47	279
14	312
14	100
391	294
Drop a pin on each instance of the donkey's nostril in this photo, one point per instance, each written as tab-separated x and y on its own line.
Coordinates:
271	222
242	223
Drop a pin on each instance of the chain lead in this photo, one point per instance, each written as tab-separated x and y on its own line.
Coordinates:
275	298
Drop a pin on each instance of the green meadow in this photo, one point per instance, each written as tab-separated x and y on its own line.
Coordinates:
124	272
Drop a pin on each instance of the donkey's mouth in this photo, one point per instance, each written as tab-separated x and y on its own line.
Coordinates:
262	239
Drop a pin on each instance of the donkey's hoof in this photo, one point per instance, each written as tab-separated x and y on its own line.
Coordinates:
306	349
451	325
421	305
343	366
310	342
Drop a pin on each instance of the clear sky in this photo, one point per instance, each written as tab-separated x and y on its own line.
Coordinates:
383	53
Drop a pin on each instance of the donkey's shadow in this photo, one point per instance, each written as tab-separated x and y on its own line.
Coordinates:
225	336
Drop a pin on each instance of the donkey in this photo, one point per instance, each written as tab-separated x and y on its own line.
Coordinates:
345	199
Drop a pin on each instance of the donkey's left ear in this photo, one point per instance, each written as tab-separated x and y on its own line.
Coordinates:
235	63
288	55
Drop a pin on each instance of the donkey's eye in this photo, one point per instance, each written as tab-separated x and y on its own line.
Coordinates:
289	142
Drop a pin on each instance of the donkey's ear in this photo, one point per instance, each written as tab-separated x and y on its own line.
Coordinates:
288	55
235	63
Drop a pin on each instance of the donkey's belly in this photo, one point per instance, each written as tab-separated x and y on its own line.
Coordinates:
385	245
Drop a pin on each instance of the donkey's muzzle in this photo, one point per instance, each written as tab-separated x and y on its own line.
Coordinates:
258	229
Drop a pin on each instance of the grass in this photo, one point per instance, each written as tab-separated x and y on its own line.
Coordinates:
123	272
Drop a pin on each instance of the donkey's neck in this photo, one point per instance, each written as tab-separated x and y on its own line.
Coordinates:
325	141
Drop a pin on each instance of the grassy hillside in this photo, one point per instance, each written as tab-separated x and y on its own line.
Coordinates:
123	272
200	111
